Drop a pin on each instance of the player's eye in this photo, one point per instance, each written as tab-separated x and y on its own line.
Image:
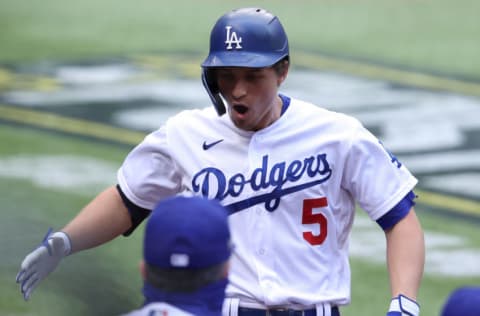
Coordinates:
254	77
225	76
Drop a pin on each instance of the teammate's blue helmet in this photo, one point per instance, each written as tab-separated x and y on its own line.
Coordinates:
247	37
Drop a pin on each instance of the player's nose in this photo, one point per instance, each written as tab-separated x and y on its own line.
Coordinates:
239	89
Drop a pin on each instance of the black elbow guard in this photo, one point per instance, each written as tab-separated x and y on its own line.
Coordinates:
137	213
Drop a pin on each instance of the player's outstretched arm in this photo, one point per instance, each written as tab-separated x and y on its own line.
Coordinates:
405	261
101	220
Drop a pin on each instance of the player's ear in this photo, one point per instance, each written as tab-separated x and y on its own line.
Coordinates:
282	71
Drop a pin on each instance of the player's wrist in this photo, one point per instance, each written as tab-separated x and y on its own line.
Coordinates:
64	248
401	305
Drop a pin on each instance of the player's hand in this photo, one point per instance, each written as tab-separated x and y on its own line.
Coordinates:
41	261
402	305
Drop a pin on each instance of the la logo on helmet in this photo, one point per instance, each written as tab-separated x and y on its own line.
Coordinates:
232	39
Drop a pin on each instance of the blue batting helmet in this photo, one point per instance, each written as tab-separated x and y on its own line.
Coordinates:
248	37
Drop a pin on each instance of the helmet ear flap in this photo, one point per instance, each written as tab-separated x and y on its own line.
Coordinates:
210	84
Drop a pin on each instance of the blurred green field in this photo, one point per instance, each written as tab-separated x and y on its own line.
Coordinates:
434	36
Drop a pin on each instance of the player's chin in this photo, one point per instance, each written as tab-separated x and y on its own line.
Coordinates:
241	120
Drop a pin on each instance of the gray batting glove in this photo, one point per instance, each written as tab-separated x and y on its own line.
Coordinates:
43	260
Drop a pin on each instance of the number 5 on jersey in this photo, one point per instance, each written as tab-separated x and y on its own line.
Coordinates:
309	218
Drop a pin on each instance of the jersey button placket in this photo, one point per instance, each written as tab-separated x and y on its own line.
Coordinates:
261	238
260	228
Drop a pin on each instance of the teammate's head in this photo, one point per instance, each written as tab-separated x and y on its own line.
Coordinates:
463	301
247	37
186	244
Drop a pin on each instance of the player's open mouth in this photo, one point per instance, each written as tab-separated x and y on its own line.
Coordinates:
241	109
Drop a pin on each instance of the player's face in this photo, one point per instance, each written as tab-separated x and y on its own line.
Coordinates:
251	95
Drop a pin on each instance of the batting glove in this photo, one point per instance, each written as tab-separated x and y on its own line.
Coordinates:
43	260
403	306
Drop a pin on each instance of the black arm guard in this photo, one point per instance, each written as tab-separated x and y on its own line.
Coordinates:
137	213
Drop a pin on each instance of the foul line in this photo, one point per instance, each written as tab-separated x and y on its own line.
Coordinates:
128	137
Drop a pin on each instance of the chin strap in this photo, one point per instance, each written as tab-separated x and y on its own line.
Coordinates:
213	92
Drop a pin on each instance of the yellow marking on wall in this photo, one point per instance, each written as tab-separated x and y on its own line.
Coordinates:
152	61
6	79
409	78
70	125
190	69
452	203
14	81
45	84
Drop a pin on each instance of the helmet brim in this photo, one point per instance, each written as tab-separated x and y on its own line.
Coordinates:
242	59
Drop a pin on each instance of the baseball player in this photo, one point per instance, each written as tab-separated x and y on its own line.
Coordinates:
185	262
289	172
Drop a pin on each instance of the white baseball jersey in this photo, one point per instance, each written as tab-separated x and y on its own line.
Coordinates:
158	309
291	189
